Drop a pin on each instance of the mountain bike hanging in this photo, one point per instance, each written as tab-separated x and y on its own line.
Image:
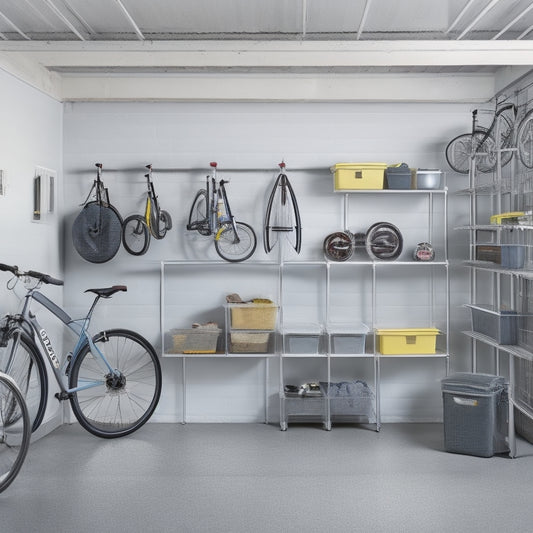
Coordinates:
282	214
211	215
136	229
96	232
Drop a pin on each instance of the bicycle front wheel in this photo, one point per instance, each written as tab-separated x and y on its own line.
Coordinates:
118	402
135	235
198	219
21	360
15	430
236	246
460	150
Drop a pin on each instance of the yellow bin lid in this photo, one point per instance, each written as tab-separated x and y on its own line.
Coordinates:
349	166
408	331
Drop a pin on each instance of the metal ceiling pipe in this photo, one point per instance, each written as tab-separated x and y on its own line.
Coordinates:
460	16
131	21
16	28
514	21
483	12
363	18
64	19
524	33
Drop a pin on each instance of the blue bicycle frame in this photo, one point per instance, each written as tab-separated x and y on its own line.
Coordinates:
78	326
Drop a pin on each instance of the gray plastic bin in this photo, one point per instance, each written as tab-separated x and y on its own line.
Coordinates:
475	414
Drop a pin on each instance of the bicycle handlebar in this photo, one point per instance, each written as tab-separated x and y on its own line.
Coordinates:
45	278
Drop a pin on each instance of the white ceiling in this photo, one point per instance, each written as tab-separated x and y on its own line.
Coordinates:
264	19
319	49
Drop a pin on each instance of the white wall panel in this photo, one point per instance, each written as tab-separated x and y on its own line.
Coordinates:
310	138
30	137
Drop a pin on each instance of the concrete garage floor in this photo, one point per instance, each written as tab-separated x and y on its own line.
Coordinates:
255	478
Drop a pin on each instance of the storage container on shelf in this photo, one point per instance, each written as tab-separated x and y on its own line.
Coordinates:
347	338
398	177
354	176
302	338
248	342
505	255
501	325
415	341
258	316
428	179
194	340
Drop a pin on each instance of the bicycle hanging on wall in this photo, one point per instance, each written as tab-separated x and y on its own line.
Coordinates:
112	379
211	215
136	229
96	232
483	143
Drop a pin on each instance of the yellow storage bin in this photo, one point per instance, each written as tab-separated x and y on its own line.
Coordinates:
253	316
353	176
407	341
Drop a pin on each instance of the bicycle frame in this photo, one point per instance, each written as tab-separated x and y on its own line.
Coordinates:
39	335
216	217
152	205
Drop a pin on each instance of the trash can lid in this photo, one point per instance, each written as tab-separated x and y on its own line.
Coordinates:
472	382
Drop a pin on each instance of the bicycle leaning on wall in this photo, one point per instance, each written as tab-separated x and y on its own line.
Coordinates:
112	379
211	215
136	229
15	430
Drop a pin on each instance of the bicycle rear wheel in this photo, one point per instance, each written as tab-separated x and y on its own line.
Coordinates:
160	226
198	219
525	140
235	247
20	359
15	430
135	235
96	232
114	405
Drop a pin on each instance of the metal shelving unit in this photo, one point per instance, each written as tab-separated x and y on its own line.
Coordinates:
502	285
436	273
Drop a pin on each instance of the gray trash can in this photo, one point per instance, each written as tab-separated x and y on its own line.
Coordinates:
475	414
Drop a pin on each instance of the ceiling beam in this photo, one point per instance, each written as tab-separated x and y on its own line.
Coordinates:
513	22
281	88
270	54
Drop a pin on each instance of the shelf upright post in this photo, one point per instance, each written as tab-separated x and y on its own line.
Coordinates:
377	362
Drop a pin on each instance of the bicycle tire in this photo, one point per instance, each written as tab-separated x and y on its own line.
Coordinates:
115	409
160	226
135	235
459	150
384	241
198	219
15	431
96	232
28	369
232	251
525	140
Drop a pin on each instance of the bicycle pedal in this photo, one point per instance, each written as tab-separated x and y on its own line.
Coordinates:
62	396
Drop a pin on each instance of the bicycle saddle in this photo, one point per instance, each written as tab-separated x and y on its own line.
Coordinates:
107	292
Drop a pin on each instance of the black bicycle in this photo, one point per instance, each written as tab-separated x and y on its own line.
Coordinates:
96	232
137	229
482	143
211	215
